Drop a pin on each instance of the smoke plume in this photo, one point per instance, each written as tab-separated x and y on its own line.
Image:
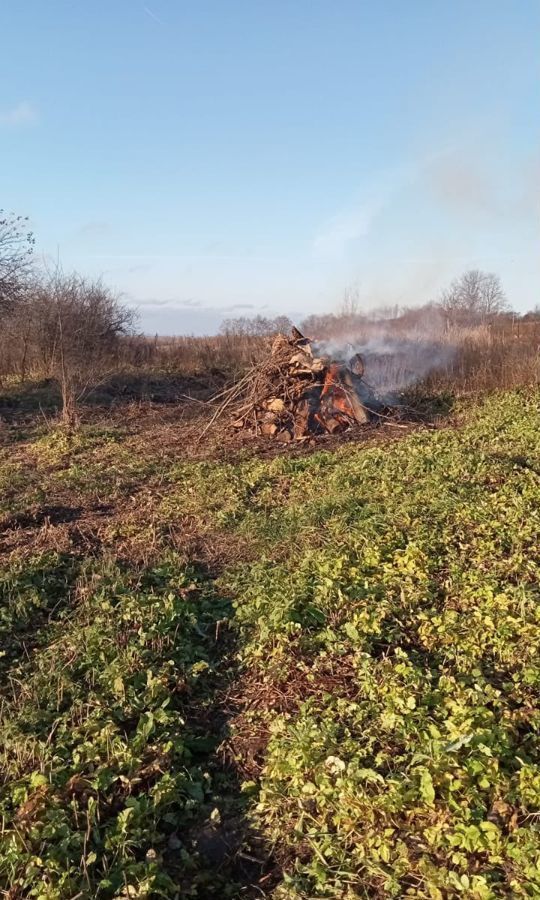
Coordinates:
396	356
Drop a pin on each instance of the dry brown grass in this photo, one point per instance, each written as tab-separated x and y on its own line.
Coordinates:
188	355
163	385
503	354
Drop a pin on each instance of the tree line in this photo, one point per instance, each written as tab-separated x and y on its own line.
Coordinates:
474	298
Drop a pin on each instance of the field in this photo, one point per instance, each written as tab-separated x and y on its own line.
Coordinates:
306	675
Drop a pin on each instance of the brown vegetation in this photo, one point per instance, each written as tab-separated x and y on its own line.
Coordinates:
181	374
67	341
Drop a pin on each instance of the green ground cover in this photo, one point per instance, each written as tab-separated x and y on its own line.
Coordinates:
374	614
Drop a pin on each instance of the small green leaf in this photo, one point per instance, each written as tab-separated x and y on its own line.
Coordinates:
427	791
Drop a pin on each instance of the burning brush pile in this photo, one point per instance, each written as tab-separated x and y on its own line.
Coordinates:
293	394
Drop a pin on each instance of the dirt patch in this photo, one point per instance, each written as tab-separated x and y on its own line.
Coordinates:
175	433
59	527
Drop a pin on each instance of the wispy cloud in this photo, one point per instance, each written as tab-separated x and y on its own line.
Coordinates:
19	116
191	256
173	302
191	304
149	12
142	267
236	306
151	303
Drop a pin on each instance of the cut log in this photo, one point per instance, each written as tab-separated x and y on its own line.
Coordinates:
361	414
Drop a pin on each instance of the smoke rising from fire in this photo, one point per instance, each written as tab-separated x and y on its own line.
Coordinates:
396	355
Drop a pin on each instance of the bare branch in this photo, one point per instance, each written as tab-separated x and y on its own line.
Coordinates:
16	248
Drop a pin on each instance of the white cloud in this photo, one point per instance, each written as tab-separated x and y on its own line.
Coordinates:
24	113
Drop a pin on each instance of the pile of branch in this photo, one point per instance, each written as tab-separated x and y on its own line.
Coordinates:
293	394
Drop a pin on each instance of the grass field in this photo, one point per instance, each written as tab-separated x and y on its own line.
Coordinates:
308	676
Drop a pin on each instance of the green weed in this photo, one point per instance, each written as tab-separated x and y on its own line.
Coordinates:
387	627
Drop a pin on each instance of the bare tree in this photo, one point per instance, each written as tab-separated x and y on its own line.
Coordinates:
474	296
77	327
494	300
16	248
350	304
282	324
18	335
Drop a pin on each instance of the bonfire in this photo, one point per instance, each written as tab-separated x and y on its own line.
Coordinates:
294	394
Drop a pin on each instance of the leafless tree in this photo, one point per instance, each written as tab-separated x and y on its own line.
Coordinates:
474	296
16	248
75	328
350	304
494	300
17	336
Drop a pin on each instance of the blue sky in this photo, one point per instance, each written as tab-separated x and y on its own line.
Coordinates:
216	159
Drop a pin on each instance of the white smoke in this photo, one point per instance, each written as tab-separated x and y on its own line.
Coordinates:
393	362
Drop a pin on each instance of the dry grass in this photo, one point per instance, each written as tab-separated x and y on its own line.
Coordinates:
161	387
504	354
188	355
489	358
